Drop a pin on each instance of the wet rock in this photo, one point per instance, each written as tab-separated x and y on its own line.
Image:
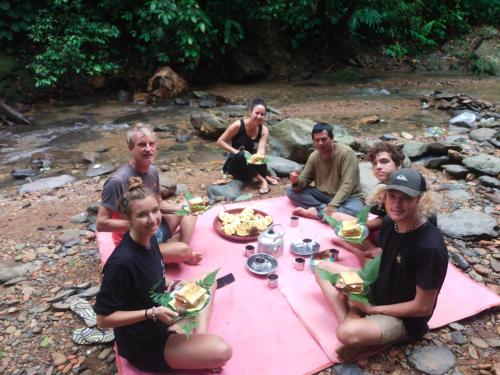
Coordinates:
22	173
79	219
435	162
467	223
490	181
494	343
291	138
348	369
482	134
105	353
389	137
99	169
466	119
458	338
460	261
167	186
432	360
200	94
495	264
47	183
479	342
89	293
69	235
483	163
181	101
458	195
368	120
10	271
163	128
229	191
414	149
455	170
165	83
208	124
283	167
206	103
102	149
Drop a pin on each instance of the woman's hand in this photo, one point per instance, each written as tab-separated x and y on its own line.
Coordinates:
166	315
367	309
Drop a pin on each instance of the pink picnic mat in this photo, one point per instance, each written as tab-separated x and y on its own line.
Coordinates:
290	329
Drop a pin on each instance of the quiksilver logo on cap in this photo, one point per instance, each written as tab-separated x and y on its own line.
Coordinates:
401	177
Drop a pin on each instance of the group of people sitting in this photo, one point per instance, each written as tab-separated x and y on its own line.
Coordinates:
149	234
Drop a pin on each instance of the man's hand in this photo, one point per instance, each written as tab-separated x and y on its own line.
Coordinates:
166	315
367	309
329	210
294	177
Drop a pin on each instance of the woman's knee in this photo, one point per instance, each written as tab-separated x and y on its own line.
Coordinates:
221	351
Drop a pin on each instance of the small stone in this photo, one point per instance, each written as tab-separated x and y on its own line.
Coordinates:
494	343
473	352
58	358
480	343
457	326
432	359
105	353
458	338
482	270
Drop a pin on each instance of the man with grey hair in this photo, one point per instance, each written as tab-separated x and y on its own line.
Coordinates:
141	142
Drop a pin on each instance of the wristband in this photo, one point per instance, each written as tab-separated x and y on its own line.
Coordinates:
154	315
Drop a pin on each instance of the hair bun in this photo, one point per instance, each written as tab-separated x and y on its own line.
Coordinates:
134	183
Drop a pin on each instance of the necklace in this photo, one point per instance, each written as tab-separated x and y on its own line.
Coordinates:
412	228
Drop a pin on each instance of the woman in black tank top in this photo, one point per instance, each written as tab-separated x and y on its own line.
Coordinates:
249	135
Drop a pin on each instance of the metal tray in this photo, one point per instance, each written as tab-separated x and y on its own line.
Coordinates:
270	264
304	247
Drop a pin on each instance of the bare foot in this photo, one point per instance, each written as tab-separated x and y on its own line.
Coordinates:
216	370
264	188
350	354
272	180
310	212
195	259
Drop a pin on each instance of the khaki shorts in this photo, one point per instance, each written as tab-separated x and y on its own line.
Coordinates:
391	328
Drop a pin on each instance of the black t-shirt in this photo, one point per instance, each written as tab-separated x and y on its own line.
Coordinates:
416	258
129	274
241	139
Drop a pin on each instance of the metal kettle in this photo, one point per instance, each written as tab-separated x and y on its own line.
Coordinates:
271	241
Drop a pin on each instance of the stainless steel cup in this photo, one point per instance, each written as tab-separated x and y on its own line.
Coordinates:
299	263
294	221
272	280
335	254
249	250
260	264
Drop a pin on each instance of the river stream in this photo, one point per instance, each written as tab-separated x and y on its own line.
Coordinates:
61	135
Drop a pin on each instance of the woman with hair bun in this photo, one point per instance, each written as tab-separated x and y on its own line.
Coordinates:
143	330
249	135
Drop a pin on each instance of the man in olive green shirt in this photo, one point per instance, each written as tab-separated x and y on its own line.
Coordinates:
333	168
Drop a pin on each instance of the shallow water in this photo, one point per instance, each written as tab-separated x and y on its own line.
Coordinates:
62	132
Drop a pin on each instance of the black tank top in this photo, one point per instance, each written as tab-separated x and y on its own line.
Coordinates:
241	139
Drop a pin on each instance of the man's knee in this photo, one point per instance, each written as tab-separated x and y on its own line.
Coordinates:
222	351
349	333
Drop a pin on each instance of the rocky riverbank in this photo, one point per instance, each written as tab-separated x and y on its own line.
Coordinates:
49	256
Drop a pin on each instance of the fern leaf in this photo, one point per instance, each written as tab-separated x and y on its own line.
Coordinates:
189	326
182	212
188	195
369	272
328	276
209	280
335	224
363	215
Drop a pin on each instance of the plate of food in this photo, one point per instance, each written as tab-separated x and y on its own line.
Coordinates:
194	206
189	298
242	224
352	231
256	159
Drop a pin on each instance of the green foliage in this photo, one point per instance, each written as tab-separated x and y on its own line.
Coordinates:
335	224
71	43
369	272
328	276
363	215
209	280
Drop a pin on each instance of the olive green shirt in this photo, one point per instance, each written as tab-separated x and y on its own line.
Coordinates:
337	176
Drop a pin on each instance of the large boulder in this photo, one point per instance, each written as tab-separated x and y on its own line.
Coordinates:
488	54
208	124
368	180
483	163
46	183
291	138
283	167
467	224
166	83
